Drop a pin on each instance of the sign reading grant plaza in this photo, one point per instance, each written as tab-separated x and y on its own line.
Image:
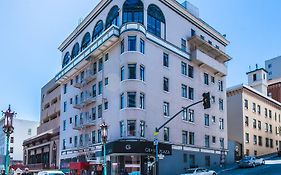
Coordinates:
145	147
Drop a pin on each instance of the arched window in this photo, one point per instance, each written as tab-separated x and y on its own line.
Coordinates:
98	29
133	11
154	19
66	59
75	50
112	17
86	41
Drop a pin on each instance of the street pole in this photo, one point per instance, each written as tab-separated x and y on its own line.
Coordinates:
104	159
7	155
156	151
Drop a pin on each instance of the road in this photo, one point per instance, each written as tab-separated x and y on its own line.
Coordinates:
271	167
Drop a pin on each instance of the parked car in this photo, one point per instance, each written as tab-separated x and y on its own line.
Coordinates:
251	161
199	171
51	173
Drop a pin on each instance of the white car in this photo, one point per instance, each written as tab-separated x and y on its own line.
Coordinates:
199	171
51	173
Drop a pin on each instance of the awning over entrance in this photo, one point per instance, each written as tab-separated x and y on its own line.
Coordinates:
142	147
78	165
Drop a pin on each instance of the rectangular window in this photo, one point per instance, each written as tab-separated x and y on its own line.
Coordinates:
131	71
93	137
183	44
246	121
63	144
220	85
266	142
106	81
270	113
254	107
100	87
222	142
207	120
259	125
206	79
210	42
212	79
166	84
99	136
165	60
207	141
183	68
94	113
70	140
64	125
64	106
207	161
64	88
100	64
166	109
259	109
202	37
122	129
265	112
184	137
95	68
100	111
246	103
193	33
122	101
255	141
131	126
142	128
122	73
142	46
75	141
214	119
105	105
191	93
221	104
106	57
260	140
132	40
131	99
184	114
184	91
191	115
166	134
142	100
122	46
192	160
213	139
191	138
12	140
190	71
221	123
142	73
254	123
247	137
94	90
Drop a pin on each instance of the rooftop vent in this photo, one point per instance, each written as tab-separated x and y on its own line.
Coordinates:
191	8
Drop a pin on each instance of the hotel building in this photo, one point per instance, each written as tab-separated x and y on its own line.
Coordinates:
42	150
133	64
253	118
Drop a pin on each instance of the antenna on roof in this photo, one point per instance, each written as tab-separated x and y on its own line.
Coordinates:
80	20
257	66
250	68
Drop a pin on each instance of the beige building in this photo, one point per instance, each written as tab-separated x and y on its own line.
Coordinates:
41	151
253	118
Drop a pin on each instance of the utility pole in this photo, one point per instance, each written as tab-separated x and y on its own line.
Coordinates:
206	105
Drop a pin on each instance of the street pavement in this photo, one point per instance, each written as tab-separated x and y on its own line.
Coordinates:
271	167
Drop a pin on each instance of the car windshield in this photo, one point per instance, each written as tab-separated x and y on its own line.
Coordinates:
246	158
190	171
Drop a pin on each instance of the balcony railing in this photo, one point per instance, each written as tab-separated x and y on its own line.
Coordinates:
198	43
132	26
84	121
87	99
103	42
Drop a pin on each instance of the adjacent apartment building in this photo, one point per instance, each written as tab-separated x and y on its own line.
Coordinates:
23	129
133	64
253	118
273	67
42	150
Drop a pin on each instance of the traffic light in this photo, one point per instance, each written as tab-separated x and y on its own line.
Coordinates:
206	100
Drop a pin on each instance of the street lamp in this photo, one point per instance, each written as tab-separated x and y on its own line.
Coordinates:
8	129
104	139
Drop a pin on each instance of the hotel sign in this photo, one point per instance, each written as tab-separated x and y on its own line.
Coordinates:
142	147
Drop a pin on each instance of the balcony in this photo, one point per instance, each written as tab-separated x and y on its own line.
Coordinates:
90	76
84	121
132	26
203	59
79	84
107	39
198	43
88	99
79	105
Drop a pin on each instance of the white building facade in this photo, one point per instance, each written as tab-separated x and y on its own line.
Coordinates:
133	64
23	129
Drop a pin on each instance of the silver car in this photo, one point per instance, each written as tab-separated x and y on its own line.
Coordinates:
199	171
251	161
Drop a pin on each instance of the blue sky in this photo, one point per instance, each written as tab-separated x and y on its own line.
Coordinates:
32	30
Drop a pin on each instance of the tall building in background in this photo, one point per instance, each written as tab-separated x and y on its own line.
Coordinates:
273	67
41	150
133	64
254	121
23	129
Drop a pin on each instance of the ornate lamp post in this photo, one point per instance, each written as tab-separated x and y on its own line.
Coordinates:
8	130
104	139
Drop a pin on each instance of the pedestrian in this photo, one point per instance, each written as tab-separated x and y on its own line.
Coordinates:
2	172
26	172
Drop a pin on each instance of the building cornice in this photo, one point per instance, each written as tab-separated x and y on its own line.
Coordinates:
252	90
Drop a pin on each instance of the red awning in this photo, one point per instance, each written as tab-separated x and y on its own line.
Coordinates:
78	165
